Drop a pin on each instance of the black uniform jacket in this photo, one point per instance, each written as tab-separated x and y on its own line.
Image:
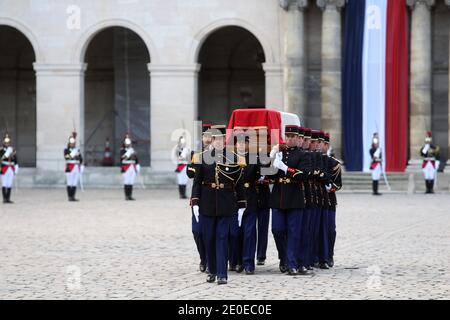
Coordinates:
312	185
252	185
287	192
335	172
218	187
125	161
324	178
433	152
11	160
67	157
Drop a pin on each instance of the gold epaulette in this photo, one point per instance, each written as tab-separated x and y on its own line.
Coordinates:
197	157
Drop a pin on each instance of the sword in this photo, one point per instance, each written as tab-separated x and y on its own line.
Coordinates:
81	180
141	179
381	163
385	177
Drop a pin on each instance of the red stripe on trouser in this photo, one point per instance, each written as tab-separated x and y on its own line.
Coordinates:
396	86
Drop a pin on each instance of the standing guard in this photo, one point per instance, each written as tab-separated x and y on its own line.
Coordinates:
129	167
74	161
192	168
181	156
288	201
376	165
9	168
430	165
217	194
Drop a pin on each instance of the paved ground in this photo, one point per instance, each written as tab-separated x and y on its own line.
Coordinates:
396	246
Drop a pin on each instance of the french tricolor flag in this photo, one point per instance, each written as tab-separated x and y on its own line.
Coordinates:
375	83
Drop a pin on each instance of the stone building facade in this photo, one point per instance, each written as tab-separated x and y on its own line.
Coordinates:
106	67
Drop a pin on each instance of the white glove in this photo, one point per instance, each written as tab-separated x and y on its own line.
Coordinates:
138	168
262	178
274	151
129	153
16	169
278	163
240	215
328	187
73	153
426	148
196	211
8	152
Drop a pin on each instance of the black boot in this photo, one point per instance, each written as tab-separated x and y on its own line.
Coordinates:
431	186
375	188
130	192
182	190
8	195
69	193
74	191
4	194
125	190
428	186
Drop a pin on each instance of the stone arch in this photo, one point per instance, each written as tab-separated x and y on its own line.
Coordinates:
205	32
27	33
92	31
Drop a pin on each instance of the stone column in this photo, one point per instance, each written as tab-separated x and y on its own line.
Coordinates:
174	97
295	64
274	86
59	110
420	82
331	89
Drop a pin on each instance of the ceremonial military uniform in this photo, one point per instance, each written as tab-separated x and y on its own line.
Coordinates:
306	187
243	240
74	162
217	193
129	167
288	202
9	168
334	185
263	217
323	180
376	165
181	155
192	168
318	219
430	165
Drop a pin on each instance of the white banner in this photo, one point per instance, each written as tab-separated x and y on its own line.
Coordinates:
374	76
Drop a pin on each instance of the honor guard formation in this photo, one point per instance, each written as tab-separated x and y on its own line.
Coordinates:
9	168
231	202
236	186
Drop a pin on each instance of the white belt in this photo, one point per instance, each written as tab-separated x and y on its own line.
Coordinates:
128	162
73	162
5	163
430	159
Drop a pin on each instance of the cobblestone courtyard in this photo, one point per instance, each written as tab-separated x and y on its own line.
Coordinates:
395	246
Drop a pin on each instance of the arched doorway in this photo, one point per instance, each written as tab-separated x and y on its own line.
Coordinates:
231	74
18	93
117	95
